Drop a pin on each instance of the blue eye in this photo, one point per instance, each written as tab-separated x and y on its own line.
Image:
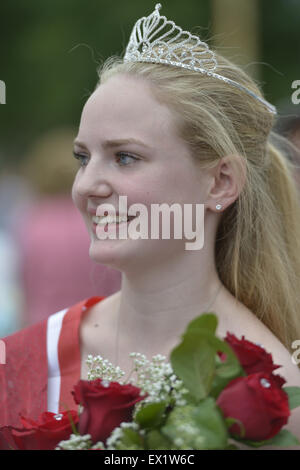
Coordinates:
126	155
82	158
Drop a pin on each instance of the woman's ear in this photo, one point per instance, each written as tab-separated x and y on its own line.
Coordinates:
228	180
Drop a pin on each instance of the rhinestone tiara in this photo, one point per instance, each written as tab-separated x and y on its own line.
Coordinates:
145	37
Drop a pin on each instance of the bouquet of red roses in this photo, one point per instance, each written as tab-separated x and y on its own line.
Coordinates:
214	394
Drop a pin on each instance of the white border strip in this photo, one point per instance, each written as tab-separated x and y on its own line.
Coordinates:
54	324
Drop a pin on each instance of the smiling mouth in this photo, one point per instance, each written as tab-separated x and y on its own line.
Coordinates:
106	221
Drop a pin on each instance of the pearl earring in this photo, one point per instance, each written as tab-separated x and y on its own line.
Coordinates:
218	207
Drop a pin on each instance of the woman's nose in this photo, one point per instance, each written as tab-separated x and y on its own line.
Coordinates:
93	181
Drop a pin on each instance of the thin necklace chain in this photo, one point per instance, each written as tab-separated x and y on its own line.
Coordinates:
212	301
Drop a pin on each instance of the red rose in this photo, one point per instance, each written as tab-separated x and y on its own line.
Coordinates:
43	434
259	402
253	358
105	406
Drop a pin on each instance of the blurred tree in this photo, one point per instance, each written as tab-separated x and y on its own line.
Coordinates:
280	34
49	53
237	36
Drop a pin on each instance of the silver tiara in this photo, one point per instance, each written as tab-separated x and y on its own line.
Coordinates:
142	40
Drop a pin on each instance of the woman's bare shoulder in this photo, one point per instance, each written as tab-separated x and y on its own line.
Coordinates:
101	311
98	324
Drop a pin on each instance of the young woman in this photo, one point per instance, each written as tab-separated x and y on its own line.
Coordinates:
199	139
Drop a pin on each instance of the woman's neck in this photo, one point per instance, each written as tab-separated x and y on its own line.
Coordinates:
151	316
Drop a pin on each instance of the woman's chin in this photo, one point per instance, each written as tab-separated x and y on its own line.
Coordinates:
113	253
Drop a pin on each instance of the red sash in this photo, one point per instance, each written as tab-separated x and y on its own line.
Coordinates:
69	351
24	377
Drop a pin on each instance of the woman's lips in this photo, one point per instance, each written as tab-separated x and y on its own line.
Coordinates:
109	228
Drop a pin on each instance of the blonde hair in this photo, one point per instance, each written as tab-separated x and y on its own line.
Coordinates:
257	249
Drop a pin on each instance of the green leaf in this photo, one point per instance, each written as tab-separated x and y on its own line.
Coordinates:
230	421
226	371
197	427
74	429
209	321
210	421
283	439
294	396
130	439
193	361
231	367
231	447
151	415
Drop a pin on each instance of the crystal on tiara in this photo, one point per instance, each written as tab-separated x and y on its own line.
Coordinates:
145	35
152	40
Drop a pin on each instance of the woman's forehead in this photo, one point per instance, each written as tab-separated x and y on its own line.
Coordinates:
125	98
127	112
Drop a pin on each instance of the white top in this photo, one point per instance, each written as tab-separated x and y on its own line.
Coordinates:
54	324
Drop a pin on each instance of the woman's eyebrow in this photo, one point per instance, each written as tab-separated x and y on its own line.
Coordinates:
116	143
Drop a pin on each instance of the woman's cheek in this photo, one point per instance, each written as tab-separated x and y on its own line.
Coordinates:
76	197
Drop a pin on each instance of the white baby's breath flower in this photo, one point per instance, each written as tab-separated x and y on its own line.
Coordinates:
112	440
131	425
75	442
155	378
117	434
100	368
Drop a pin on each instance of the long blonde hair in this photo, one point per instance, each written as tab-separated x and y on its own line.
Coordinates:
257	248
